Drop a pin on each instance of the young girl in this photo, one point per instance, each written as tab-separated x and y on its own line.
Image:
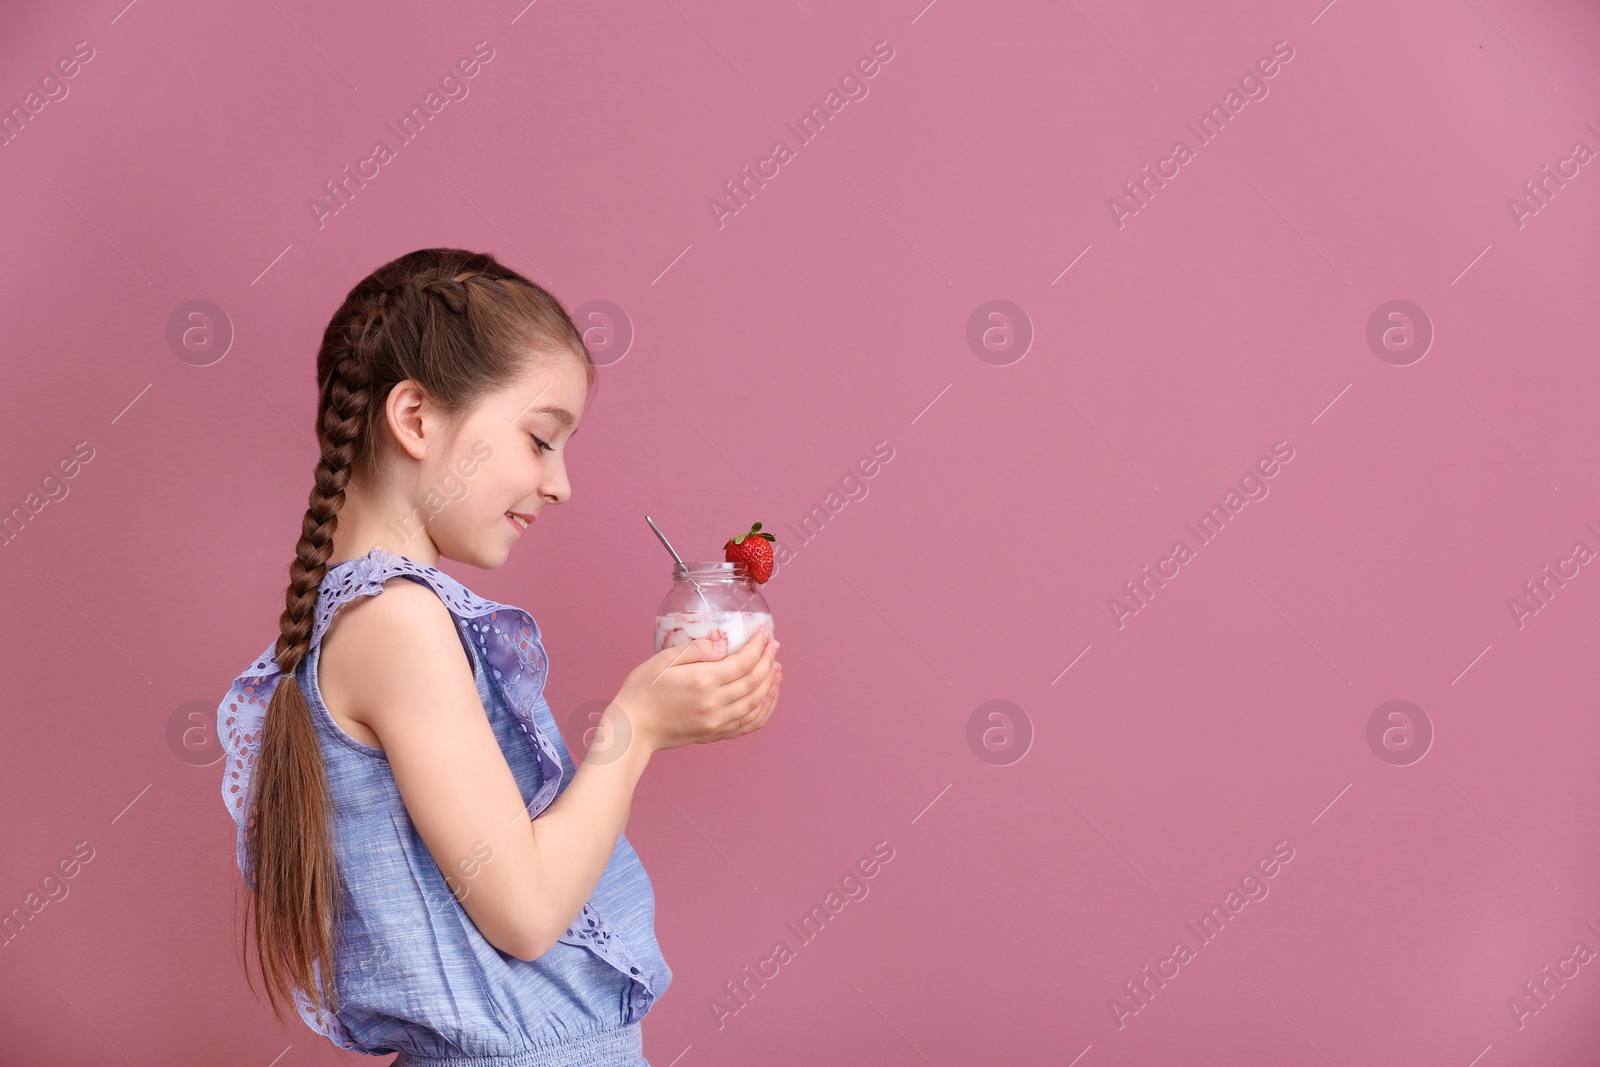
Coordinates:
429	872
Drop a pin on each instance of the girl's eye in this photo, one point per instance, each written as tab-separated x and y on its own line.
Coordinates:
542	446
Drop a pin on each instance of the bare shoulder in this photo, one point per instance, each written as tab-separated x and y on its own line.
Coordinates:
380	648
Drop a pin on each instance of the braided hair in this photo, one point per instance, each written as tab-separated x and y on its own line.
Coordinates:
461	325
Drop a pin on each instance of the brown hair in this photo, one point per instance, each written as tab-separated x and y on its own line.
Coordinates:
461	325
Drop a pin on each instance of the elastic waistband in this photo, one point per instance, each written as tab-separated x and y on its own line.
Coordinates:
620	1047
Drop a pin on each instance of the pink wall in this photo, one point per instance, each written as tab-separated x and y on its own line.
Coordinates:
1042	859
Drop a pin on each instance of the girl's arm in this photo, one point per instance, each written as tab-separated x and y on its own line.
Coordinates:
575	835
521	881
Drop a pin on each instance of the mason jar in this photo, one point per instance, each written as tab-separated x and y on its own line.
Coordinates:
711	596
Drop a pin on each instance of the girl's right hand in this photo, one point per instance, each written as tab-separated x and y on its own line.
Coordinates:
699	693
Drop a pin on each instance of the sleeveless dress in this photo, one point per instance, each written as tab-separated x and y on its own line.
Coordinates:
414	974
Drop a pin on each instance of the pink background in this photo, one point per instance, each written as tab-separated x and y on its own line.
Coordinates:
1035	872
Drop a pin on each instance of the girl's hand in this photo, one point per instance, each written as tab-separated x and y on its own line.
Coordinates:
757	718
698	693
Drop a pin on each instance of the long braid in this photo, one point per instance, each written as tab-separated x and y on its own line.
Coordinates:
344	419
293	777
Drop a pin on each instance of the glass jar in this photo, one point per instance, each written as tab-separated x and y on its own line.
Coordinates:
711	596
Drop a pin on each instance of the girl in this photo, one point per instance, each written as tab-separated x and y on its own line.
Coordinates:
429	872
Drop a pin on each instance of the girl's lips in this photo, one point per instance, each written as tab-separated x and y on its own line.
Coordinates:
517	526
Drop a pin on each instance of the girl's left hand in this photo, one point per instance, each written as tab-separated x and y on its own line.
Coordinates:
758	718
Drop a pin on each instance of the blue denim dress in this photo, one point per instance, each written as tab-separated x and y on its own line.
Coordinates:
414	974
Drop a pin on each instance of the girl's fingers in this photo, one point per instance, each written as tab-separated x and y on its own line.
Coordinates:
735	668
747	684
758	691
752	719
762	667
755	713
772	706
757	716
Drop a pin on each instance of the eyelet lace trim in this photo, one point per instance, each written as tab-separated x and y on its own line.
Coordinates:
325	1023
509	641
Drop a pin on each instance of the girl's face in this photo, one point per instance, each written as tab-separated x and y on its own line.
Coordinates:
507	457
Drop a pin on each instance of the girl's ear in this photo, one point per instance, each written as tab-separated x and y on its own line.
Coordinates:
412	418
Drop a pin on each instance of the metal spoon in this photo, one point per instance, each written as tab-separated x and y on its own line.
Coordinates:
679	559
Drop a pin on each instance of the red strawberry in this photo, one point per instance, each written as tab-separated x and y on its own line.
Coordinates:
754	549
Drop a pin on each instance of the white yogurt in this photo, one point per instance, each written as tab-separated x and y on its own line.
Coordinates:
682	627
